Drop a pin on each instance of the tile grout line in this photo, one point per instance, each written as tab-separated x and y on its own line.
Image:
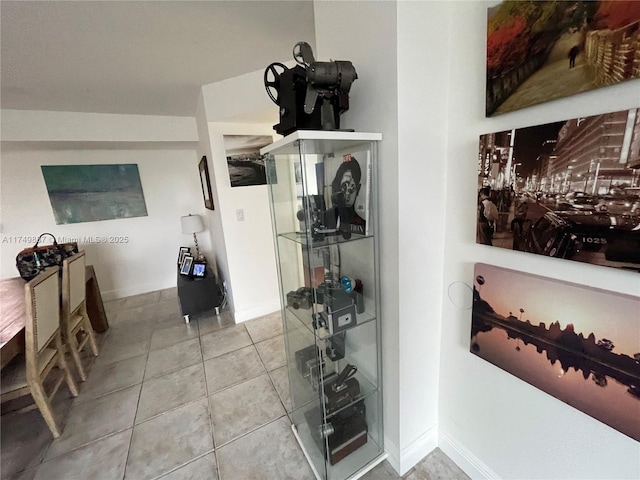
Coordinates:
284	407
168	472
206	388
144	371
252	430
75	449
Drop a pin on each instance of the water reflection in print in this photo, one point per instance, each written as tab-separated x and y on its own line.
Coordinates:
576	367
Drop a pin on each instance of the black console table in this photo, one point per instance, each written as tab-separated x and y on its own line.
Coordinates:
198	295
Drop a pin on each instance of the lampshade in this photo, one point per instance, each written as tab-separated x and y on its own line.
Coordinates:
191	224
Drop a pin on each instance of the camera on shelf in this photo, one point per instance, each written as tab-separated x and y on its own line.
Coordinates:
303	356
340	390
344	432
321	222
300	298
335	349
339	307
315	205
310	363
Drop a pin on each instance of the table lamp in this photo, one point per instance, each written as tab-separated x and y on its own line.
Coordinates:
193	224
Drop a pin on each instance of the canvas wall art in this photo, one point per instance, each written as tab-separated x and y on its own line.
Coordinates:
568	189
246	165
538	51
90	193
579	344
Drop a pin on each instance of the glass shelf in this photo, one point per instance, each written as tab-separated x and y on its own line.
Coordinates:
303	239
304	316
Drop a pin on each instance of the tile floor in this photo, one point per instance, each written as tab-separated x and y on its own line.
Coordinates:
170	400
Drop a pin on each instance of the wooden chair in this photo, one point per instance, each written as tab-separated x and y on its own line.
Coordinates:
43	349
75	319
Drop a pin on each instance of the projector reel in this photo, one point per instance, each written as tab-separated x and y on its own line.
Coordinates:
275	83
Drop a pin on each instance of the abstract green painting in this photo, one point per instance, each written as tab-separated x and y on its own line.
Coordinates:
90	193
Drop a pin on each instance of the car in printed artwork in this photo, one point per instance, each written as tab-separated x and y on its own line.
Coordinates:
593	237
580	201
621	204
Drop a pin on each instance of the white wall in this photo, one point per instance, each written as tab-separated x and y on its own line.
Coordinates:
252	271
490	422
43	126
247	257
423	74
146	260
365	34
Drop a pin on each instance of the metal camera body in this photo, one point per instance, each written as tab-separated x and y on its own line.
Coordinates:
343	434
312	95
321	223
339	309
300	298
314	204
339	390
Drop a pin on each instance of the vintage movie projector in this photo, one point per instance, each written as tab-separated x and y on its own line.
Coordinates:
312	95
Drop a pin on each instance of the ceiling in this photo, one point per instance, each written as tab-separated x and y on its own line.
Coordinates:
139	57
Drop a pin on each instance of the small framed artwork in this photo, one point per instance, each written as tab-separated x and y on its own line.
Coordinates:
187	262
205	182
199	269
183	251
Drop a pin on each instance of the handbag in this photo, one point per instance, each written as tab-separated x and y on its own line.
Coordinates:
31	261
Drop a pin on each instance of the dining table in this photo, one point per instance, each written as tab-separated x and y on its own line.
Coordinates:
13	313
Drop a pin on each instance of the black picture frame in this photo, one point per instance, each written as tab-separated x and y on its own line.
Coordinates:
185	267
183	251
199	269
205	182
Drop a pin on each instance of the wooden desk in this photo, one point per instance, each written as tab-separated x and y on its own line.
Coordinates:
13	311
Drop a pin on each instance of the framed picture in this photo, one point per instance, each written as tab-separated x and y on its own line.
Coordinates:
183	251
90	193
199	269
246	166
532	47
567	189
205	182
185	268
578	344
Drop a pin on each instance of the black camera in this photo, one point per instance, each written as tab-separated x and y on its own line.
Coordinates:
300	298
340	390
321	222
345	431
335	349
315	205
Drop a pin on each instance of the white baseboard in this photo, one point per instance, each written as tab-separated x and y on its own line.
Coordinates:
109	295
393	456
462	457
245	314
418	449
413	453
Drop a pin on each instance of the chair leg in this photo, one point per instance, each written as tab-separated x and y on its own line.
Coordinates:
68	376
72	342
92	337
40	398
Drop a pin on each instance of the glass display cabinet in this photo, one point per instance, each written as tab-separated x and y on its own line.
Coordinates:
322	190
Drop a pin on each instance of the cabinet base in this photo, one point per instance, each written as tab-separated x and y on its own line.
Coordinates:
369	466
